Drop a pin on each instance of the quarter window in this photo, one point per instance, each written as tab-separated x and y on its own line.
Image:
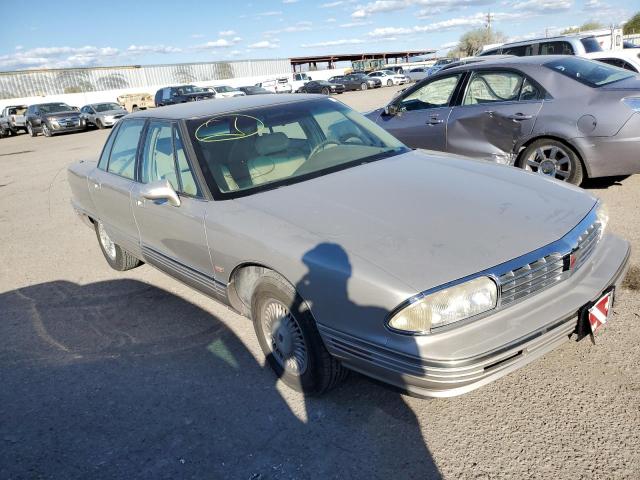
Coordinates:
556	48
158	160
434	94
122	160
492	87
519	51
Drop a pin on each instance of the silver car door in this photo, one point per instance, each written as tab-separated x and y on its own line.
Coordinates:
110	185
498	110
172	237
419	116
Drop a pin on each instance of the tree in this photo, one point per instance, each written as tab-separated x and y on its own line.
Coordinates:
584	27
633	25
472	42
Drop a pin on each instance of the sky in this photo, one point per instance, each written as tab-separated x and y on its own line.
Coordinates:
70	33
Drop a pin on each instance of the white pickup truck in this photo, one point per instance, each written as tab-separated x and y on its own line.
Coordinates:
299	81
15	118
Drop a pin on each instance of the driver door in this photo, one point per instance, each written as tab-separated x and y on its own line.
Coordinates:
422	114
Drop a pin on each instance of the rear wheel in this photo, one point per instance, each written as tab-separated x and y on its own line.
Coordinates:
30	130
290	339
363	86
554	159
116	257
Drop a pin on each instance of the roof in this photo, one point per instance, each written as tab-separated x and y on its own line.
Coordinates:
509	60
573	36
217	106
342	57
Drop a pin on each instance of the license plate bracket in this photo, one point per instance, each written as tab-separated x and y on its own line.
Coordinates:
594	315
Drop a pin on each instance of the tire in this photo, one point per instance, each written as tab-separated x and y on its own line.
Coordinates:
309	368
303	90
325	91
31	131
46	131
363	86
389	83
99	124
116	257
135	108
553	158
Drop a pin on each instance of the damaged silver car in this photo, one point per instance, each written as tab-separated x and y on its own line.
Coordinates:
347	249
563	116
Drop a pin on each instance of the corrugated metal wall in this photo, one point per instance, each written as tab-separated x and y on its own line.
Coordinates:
77	80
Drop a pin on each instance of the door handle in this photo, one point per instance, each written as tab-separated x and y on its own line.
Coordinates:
434	121
520	116
97	185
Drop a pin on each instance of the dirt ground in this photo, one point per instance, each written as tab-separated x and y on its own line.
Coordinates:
133	375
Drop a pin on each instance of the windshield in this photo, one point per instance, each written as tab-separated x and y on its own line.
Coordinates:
252	150
589	72
187	89
223	89
105	107
591	45
55	107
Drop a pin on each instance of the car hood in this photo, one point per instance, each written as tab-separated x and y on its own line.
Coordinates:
69	113
429	219
109	113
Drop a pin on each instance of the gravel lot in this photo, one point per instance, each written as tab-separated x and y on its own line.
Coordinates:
110	375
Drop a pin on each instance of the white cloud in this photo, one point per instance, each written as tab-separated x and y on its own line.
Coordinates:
437	6
288	2
219	43
331	20
332	4
303	26
226	33
197	35
140	49
273	13
354	24
333	43
265	44
542	6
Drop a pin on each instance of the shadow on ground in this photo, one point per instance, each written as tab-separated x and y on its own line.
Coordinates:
120	379
603	182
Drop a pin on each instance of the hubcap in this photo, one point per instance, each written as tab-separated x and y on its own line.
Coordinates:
282	332
107	243
550	160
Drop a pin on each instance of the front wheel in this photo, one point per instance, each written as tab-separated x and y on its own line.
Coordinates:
554	159
116	257
290	339
46	130
325	91
99	124
31	131
363	86
389	83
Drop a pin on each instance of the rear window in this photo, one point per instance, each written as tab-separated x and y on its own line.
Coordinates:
591	73
590	45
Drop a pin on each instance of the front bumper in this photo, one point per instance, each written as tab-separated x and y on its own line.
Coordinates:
62	128
462	359
615	155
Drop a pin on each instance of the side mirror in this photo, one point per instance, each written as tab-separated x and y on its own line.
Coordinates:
160	190
391	110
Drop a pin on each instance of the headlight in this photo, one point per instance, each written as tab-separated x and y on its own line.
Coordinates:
53	121
632	102
446	306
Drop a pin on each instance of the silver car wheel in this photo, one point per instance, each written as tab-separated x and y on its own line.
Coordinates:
284	336
550	160
107	243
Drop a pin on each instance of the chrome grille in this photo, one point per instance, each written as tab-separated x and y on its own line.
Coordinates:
587	243
531	278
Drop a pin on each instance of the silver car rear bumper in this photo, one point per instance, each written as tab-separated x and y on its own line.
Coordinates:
436	377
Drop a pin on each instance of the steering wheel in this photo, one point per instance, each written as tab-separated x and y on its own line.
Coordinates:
321	146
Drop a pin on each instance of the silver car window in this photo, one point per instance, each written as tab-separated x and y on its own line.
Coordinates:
122	160
158	160
434	94
492	87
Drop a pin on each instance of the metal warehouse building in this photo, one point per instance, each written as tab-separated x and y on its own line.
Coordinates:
36	83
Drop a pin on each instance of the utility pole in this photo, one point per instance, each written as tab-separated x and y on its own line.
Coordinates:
489	18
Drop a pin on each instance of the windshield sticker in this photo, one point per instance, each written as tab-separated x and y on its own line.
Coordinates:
228	127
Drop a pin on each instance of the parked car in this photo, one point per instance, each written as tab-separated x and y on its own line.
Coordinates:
102	114
417	73
390	78
628	59
225	91
181	94
301	214
358	81
578	45
562	116
253	90
53	118
132	102
395	68
336	79
322	86
276	85
14	117
440	64
5	128
299	81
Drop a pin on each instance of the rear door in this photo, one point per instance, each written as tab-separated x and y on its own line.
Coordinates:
499	108
172	238
422	113
111	182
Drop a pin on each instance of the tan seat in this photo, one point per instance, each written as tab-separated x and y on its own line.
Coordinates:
275	161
